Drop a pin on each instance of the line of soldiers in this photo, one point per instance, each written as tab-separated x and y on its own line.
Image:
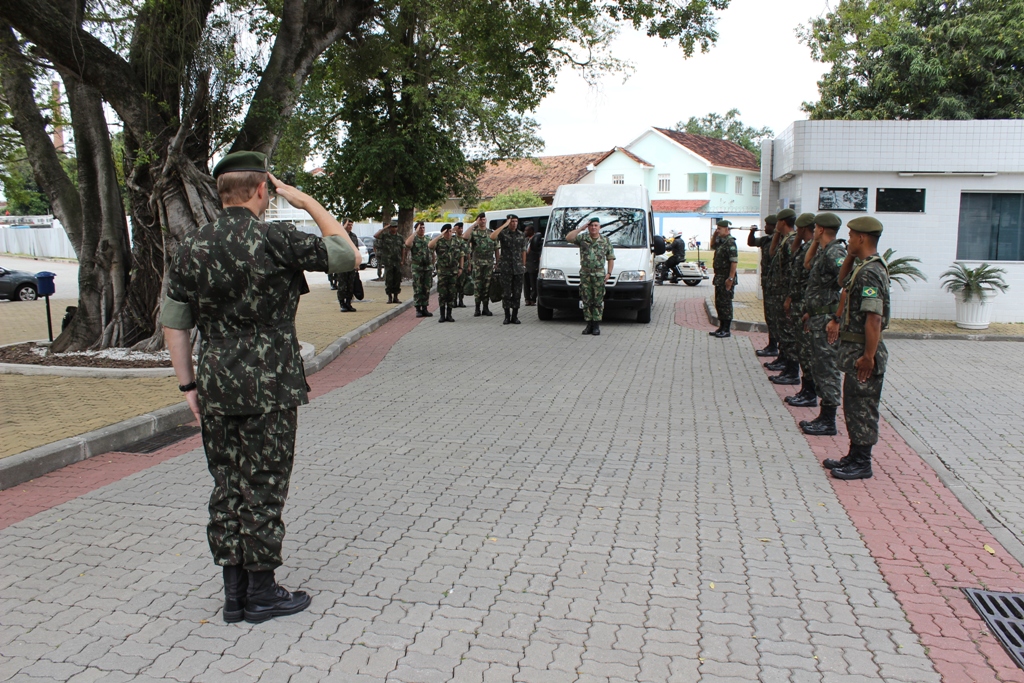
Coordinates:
458	257
826	303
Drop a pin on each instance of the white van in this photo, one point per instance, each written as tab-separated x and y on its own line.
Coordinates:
627	220
535	217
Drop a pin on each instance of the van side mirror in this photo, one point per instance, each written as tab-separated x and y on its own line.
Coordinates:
658	245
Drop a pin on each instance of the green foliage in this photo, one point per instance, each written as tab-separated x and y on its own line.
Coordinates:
901	270
24	196
728	127
974	282
919	59
434	215
510	199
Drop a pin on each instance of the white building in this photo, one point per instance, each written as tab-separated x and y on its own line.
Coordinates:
693	180
946	191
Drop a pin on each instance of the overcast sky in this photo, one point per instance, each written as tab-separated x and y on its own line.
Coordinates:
757	66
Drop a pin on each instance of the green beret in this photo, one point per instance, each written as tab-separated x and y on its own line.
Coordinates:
722	223
828	220
805	220
784	214
866	224
241	161
772	219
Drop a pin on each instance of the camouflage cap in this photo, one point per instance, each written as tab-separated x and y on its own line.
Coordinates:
255	162
772	219
866	224
722	223
805	220
828	220
784	214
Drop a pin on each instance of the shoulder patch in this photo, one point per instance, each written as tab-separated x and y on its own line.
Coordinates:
869	292
840	261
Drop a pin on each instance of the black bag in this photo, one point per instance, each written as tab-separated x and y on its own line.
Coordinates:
357	287
469	288
496	291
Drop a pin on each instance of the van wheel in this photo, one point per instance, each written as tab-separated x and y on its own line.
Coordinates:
692	283
545	313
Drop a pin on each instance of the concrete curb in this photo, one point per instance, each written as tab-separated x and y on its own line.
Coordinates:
21	467
306	351
747	326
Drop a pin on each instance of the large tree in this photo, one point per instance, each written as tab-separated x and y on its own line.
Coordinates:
728	127
919	59
171	73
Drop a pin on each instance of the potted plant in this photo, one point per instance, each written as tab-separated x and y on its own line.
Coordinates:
973	289
902	270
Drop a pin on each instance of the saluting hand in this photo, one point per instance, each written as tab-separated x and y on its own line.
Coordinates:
295	196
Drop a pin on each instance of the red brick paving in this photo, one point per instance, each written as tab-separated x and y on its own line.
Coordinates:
32	497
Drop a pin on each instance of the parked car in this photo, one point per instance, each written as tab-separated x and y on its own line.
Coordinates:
371	260
364	253
18	285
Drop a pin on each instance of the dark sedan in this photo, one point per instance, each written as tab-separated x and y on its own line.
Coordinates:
18	285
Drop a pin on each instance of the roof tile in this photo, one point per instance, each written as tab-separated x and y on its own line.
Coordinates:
542	175
718	152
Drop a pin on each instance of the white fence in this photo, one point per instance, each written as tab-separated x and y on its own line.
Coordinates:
41	242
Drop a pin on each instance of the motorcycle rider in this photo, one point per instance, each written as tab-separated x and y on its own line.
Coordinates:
678	251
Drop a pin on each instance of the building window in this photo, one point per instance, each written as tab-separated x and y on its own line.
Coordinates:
899	200
618	179
739	185
755	188
664	182
698	182
991	227
718	181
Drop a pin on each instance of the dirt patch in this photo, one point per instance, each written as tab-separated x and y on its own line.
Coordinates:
31	353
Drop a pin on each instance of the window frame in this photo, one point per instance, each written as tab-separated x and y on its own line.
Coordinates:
664	182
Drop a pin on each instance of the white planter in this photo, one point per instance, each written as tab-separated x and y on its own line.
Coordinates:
974	314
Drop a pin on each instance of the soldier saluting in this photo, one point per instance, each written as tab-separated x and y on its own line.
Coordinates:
238	279
595	251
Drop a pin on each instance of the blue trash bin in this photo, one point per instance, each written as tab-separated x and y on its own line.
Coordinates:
45	279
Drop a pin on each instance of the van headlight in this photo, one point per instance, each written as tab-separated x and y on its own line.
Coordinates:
550	274
632	276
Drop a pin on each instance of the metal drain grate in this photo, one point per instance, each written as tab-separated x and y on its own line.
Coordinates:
154	443
1004	614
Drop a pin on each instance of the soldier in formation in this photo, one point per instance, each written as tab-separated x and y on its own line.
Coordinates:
448	259
793	307
391	255
778	286
511	266
725	262
422	269
597	261
346	281
238	279
764	244
482	249
466	273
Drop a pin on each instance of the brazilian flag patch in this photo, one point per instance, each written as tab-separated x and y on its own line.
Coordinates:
869	292
839	261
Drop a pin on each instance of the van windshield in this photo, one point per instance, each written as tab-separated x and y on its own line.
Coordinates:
624	228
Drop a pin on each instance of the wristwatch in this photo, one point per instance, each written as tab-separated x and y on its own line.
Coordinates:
183	388
835	318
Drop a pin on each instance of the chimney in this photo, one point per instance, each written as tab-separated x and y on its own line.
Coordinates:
58	130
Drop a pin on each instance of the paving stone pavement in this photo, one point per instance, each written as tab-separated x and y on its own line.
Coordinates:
963	400
491	503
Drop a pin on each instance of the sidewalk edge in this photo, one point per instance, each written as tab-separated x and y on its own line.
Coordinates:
21	467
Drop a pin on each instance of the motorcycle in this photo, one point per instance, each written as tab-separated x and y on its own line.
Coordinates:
690	272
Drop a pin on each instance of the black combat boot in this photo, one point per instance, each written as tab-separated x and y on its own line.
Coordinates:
515	315
858	468
790	376
419	312
449	315
426	312
391	298
236	583
596	329
462	303
396	301
769	351
725	331
805	398
476	311
487	308
589	328
444	316
508	317
824	424
716	332
776	365
266	600
349	307
832	463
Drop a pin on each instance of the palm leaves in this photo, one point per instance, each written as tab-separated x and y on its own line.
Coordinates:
901	270
971	282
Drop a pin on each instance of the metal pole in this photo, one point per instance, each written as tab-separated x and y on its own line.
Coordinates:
49	321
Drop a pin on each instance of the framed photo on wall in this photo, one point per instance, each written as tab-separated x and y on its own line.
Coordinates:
842	199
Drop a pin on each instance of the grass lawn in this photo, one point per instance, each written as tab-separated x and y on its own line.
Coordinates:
748	259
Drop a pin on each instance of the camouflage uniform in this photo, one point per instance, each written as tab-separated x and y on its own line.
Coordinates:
821	300
482	247
779	287
239	280
346	281
510	267
448	253
867	292
463	277
797	285
725	255
389	250
764	243
594	257
422	271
